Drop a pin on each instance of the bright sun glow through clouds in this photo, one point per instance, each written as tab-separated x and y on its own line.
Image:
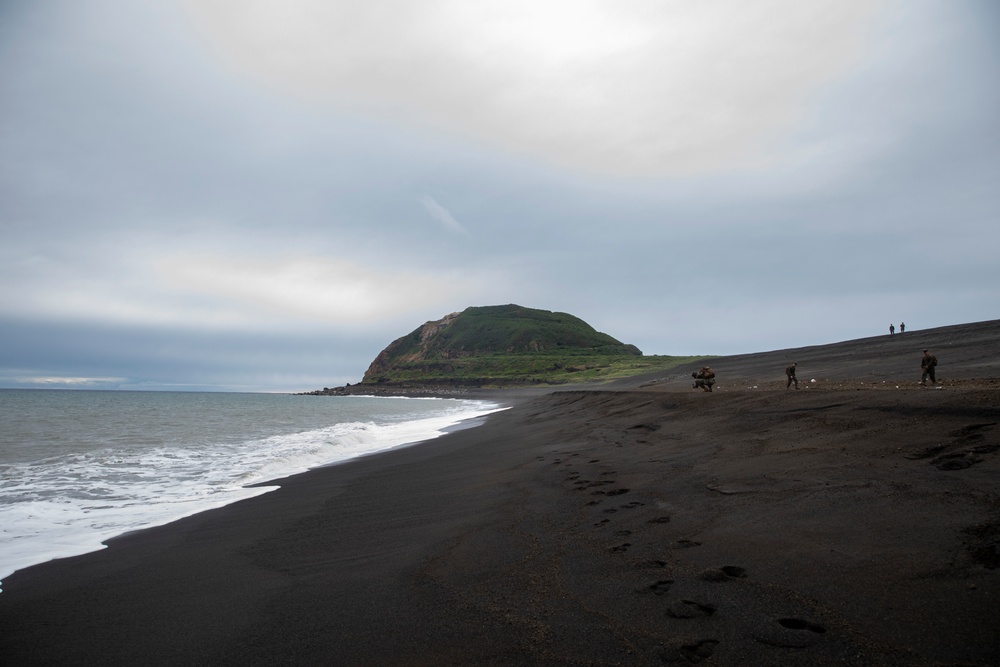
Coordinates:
630	87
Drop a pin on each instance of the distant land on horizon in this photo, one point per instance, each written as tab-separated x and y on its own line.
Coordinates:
502	347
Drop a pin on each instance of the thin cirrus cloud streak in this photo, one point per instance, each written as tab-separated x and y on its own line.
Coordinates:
441	214
636	87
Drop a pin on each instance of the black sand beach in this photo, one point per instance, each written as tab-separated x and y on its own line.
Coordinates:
853	521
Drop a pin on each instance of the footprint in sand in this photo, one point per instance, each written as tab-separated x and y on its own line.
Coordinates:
799	624
790	633
659	587
972	431
648	428
613	492
660	519
690	609
962	452
695	653
925	453
724	573
959	461
621	547
983	544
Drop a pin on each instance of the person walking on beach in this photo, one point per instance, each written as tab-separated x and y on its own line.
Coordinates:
927	365
902	327
892	329
704	378
790	374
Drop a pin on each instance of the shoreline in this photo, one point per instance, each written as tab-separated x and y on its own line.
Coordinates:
647	524
30	549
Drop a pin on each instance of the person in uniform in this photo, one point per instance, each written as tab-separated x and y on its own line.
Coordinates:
927	365
790	374
892	329
704	378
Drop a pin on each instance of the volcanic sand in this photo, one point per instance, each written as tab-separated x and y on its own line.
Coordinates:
855	520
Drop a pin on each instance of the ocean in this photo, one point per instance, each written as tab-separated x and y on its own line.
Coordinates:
80	467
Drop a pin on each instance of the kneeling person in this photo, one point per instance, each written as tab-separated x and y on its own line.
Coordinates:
704	379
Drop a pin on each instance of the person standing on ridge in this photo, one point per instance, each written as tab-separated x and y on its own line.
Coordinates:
902	327
892	329
927	365
790	374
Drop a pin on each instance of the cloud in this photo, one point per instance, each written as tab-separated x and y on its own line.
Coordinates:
136	283
631	87
71	381
441	214
309	288
251	236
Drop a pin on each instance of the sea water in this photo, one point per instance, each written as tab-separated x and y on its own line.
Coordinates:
80	467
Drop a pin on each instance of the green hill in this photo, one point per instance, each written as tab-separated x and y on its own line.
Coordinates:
504	345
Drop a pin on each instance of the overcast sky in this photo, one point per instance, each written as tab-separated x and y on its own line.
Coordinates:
222	194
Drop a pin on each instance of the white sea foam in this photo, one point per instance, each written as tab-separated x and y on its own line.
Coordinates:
69	503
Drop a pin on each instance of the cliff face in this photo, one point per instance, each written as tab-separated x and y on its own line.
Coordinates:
438	348
403	350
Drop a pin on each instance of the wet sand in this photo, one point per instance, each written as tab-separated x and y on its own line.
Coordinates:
854	521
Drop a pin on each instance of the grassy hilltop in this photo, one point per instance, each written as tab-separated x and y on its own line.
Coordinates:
508	345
